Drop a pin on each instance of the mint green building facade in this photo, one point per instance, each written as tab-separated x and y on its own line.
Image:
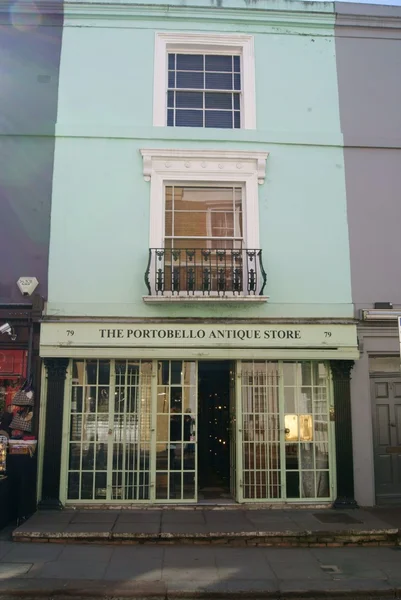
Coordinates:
115	157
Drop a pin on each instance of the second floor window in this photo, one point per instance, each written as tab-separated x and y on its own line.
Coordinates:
204	90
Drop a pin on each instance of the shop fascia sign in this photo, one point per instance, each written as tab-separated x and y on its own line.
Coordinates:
167	335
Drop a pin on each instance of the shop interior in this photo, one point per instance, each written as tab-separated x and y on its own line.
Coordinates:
214	430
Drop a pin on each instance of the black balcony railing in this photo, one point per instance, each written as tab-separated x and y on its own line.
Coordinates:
204	271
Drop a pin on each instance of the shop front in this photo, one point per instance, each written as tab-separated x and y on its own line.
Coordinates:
192	413
19	350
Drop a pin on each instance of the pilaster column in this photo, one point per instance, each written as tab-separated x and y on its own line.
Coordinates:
56	372
341	374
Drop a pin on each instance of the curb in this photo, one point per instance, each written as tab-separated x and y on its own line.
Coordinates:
283	539
27	590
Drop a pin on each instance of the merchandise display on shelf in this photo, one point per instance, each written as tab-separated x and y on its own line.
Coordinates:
3	454
16	413
17	451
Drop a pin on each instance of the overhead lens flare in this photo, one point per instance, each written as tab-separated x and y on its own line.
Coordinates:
25	15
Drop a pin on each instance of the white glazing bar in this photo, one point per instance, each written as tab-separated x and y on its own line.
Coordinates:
153	417
111	436
281	429
239	433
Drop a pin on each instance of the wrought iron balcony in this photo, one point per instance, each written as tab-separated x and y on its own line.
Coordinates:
205	272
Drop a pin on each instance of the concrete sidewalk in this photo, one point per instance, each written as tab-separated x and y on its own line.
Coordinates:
238	527
48	570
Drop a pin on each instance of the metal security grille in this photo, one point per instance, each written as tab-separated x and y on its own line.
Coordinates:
204	90
109	433
261	430
306	429
285	430
132	431
176	445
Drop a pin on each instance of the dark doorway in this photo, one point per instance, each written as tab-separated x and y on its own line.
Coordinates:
213	430
386	394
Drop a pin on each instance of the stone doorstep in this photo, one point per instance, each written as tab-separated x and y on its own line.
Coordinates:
388	537
254	506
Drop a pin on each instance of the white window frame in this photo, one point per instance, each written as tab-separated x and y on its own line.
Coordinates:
166	167
193	43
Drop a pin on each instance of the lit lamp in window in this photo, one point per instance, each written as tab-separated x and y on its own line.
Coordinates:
305	426
3	450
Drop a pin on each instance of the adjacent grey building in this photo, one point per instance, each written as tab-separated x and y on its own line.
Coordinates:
30	44
368	51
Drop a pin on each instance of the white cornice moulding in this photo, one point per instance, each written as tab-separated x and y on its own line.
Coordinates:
213	39
125	11
212	163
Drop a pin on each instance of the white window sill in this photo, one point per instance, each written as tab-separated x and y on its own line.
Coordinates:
188	299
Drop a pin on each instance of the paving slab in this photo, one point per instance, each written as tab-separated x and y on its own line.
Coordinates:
195	557
32	552
133	563
60	515
50	588
189	574
73	569
5	547
137	554
143	516
390	515
232	565
39	523
9	569
126	572
351	565
175	516
88	527
220	516
86	552
92	516
297	564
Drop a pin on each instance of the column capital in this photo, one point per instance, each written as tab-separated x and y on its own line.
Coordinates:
341	369
56	368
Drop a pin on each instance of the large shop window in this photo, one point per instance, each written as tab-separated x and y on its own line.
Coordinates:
289	398
110	429
134	426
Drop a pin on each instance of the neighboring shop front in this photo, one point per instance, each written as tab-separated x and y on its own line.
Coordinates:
19	362
178	412
376	395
